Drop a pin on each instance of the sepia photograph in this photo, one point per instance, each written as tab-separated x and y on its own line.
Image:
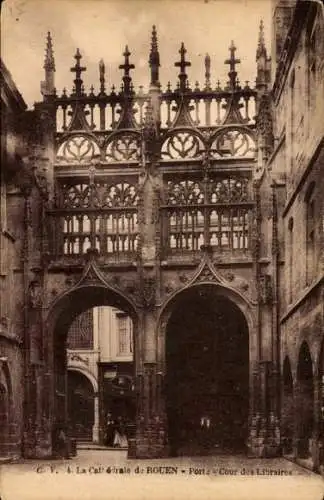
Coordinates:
162	250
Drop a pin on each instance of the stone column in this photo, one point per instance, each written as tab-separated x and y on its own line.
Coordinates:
95	428
264	439
101	406
150	431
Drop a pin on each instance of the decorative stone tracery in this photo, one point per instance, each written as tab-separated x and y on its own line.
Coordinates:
152	201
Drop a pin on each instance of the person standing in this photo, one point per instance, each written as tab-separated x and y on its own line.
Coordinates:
110	430
120	439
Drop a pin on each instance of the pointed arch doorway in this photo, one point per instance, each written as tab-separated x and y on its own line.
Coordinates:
207	374
66	309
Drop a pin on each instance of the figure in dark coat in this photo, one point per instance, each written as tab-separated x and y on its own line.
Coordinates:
110	430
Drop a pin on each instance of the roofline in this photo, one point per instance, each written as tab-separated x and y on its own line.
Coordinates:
11	86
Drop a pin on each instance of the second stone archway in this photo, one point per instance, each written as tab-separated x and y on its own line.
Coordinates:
206	354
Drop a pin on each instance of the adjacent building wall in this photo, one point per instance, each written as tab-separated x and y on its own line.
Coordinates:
298	161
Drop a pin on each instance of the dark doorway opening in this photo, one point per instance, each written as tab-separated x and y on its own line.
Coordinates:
80	406
207	381
304	402
4	420
287	410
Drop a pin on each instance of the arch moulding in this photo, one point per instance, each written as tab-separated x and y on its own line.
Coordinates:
86	373
207	275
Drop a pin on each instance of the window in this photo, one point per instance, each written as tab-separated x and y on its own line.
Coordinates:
80	334
125	340
310	234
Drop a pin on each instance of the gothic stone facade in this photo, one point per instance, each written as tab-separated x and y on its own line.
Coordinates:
156	201
15	179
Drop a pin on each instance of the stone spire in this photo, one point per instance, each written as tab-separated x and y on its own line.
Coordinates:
261	50
48	85
263	62
49	63
154	60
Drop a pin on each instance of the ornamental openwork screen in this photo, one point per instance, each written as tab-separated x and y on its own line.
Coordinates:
101	214
199	141
215	211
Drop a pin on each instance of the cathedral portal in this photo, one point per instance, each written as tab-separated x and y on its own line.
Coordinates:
207	381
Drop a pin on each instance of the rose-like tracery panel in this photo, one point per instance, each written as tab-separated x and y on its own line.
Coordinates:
122	194
77	149
229	190
98	195
124	147
233	142
182	145
184	193
76	196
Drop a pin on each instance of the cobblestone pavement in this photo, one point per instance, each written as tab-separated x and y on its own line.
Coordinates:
98	474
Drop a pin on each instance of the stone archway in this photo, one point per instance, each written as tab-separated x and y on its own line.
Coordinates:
65	309
304	402
207	384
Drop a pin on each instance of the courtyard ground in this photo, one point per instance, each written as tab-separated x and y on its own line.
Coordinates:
101	474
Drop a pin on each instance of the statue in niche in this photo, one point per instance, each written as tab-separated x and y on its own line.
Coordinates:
35	295
148	292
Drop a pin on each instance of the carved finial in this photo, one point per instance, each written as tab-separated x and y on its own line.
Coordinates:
232	61
261	50
78	69
126	67
154	60
182	64
49	63
102	76
207	71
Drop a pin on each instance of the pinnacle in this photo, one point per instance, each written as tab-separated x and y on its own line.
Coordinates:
261	50
207	71
154	38
49	63
154	58
154	54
